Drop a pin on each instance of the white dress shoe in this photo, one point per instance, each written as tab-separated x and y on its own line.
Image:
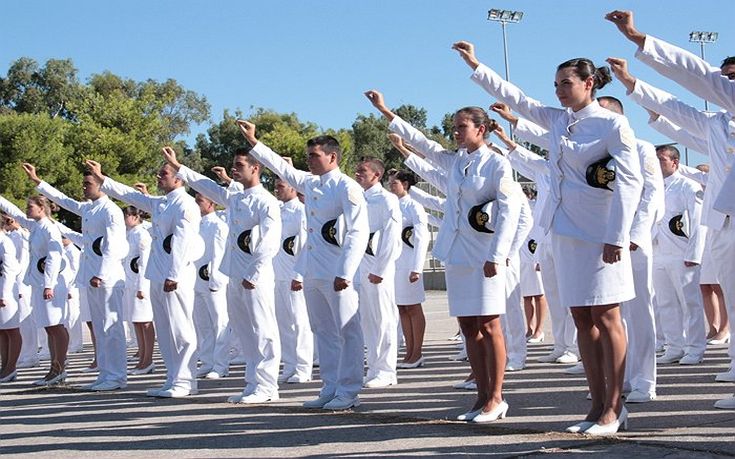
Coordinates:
670	357
549	358
580	427
298	379
143	371
577	369
514	366
10	377
176	392
51	381
154	391
638	396
341	403
724	340
469	416
214	375
459	356
419	363
107	385
598	430
379	382
89	370
727	376
470	385
202	372
283	377
567	357
496	413
691	359
660	348
726	403
318	402
254	399
462	384
538	340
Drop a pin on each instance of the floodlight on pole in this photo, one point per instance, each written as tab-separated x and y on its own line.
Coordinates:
505	17
702	38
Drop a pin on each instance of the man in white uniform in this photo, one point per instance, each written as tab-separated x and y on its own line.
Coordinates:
328	264
253	216
378	310
211	320
176	245
100	272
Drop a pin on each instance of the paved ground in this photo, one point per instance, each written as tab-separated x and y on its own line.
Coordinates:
413	418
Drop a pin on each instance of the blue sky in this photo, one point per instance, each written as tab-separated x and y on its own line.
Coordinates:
316	58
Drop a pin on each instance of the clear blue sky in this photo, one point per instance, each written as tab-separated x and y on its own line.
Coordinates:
316	58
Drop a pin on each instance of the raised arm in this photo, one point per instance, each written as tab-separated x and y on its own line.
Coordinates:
526	163
279	165
119	191
681	136
52	193
74	236
522	128
20	216
694	174
426	200
423	169
507	92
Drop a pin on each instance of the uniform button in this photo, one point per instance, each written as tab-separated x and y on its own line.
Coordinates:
311	230
314	198
313	213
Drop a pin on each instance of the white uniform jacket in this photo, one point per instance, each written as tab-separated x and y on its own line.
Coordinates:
725	200
136	261
689	70
103	230
214	232
435	203
578	139
293	238
414	215
679	135
9	269
683	197
435	177
718	129
255	226
327	197
175	217
47	255
473	178
384	217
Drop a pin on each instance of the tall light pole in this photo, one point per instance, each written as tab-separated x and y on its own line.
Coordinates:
702	38
505	17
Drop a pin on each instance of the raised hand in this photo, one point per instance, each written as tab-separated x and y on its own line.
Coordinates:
620	69
623	20
142	187
466	51
95	169
652	116
397	142
221	174
30	170
376	98
504	111
169	154
248	131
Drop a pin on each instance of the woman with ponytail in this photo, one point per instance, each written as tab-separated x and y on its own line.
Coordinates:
595	187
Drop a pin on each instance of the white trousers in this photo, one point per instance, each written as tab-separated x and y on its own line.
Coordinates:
28	327
335	320
379	320
297	340
253	319
723	251
212	325
513	321
177	340
640	363
74	325
105	306
679	302
562	323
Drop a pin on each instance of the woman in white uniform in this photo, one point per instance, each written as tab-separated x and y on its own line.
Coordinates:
137	306
589	217
474	258
44	275
10	339
409	268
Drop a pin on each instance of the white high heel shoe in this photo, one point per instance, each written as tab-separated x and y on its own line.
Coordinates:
598	430
498	412
580	427
537	340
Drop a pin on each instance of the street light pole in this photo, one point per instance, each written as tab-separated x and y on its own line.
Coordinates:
702	38
504	17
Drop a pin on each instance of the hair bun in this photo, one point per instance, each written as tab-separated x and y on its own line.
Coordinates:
602	76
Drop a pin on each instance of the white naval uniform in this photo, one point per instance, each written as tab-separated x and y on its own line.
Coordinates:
677	286
412	258
378	312
718	129
28	328
211	320
9	269
334	316
514	320
45	265
536	168
581	218
297	340
638	314
254	237
73	256
473	178
135	263
708	267
105	246
530	277
174	248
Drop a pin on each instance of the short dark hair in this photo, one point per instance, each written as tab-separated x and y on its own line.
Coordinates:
327	143
245	153
614	102
730	60
374	163
670	150
132	211
405	176
585	68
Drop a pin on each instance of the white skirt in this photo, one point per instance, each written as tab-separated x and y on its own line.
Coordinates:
408	293
48	313
531	284
470	293
10	313
708	271
584	279
136	310
85	315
